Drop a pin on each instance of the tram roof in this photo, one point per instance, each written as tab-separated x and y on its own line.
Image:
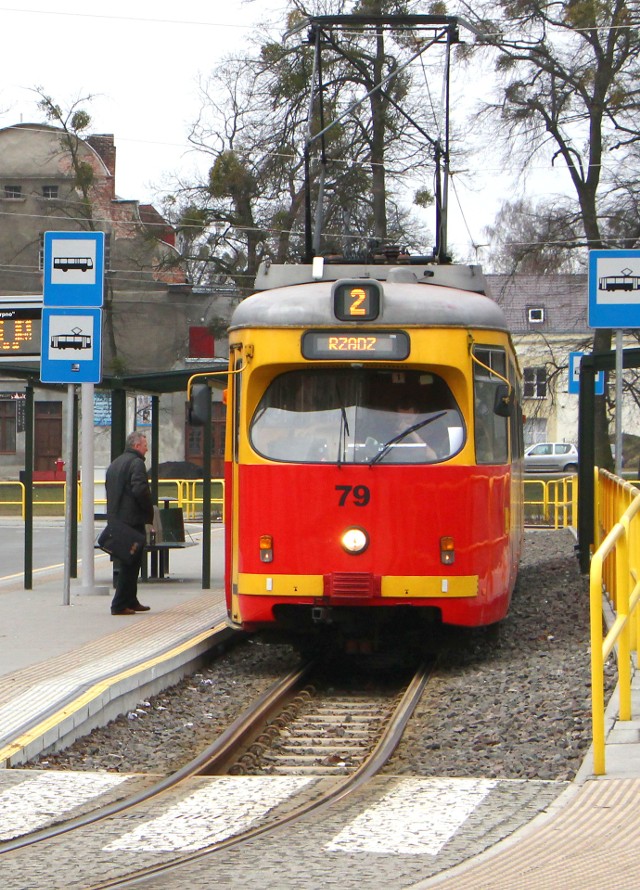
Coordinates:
296	300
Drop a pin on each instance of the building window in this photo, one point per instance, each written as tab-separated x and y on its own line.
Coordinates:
8	417
49	192
536	316
535	383
13	192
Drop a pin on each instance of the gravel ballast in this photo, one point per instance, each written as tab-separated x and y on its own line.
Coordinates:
511	701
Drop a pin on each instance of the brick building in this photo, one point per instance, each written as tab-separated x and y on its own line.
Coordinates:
52	181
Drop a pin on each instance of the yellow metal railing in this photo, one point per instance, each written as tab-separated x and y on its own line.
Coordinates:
184	493
614	573
20	495
551	502
43	496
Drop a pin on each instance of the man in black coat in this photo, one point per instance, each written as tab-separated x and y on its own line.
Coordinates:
129	499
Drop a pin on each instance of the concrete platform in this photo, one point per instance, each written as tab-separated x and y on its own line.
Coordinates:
63	664
52	655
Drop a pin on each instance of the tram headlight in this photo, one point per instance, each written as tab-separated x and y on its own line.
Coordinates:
355	540
266	548
447	551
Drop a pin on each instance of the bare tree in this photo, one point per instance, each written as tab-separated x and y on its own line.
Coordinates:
569	72
73	122
254	124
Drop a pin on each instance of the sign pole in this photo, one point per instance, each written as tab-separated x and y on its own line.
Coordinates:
614	302
68	500
87	536
88	524
71	353
618	421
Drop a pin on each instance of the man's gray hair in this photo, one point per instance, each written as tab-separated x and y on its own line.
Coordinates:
135	438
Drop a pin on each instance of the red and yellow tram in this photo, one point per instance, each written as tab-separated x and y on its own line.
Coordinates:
373	453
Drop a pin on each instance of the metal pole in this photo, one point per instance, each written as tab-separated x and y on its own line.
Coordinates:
28	489
72	489
618	419
586	445
68	500
155	446
206	499
87	529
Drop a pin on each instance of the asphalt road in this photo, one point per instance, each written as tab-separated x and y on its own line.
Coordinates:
48	546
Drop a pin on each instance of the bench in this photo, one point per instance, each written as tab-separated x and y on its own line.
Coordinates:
169	535
158	568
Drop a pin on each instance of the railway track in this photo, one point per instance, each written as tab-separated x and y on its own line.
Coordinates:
321	732
348	734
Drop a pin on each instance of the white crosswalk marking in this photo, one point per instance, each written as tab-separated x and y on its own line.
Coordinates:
31	804
418	817
224	806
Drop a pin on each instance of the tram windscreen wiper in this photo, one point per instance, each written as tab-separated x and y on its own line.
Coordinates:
410	429
344	434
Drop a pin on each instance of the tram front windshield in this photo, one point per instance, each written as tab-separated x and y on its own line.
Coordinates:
361	416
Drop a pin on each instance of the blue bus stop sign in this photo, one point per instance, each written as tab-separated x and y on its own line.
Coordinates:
574	375
73	269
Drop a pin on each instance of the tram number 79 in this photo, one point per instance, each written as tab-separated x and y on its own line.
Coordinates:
359	494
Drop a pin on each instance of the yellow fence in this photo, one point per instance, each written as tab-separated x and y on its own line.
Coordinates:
552	503
51	496
614	572
45	494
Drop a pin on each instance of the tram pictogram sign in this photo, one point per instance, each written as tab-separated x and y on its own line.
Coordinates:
71	345
614	289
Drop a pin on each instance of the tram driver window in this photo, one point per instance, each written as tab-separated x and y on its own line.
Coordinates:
363	416
491	430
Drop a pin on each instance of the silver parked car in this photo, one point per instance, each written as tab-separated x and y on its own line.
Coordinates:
551	457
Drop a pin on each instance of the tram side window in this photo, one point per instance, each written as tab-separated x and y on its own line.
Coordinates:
491	430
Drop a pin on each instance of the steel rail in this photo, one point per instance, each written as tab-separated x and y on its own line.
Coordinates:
378	758
241	728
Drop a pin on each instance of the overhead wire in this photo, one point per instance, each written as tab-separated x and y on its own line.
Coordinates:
540	167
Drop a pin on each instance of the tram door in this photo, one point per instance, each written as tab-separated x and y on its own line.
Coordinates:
47	435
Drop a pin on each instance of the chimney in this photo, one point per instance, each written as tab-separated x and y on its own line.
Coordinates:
104	145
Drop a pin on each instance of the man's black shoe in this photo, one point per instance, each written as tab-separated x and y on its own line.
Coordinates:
140	608
123	611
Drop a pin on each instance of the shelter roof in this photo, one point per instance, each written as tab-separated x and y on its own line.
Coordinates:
155	383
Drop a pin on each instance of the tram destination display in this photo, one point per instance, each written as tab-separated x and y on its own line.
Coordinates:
20	331
361	345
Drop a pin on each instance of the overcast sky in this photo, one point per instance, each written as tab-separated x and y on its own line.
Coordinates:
141	62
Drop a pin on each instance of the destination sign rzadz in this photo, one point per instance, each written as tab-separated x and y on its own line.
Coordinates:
360	345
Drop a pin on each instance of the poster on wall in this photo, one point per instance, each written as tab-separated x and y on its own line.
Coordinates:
143	411
19	400
102	409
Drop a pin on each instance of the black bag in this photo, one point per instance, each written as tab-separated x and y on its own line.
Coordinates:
121	541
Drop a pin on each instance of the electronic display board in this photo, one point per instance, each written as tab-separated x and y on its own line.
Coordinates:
20	330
